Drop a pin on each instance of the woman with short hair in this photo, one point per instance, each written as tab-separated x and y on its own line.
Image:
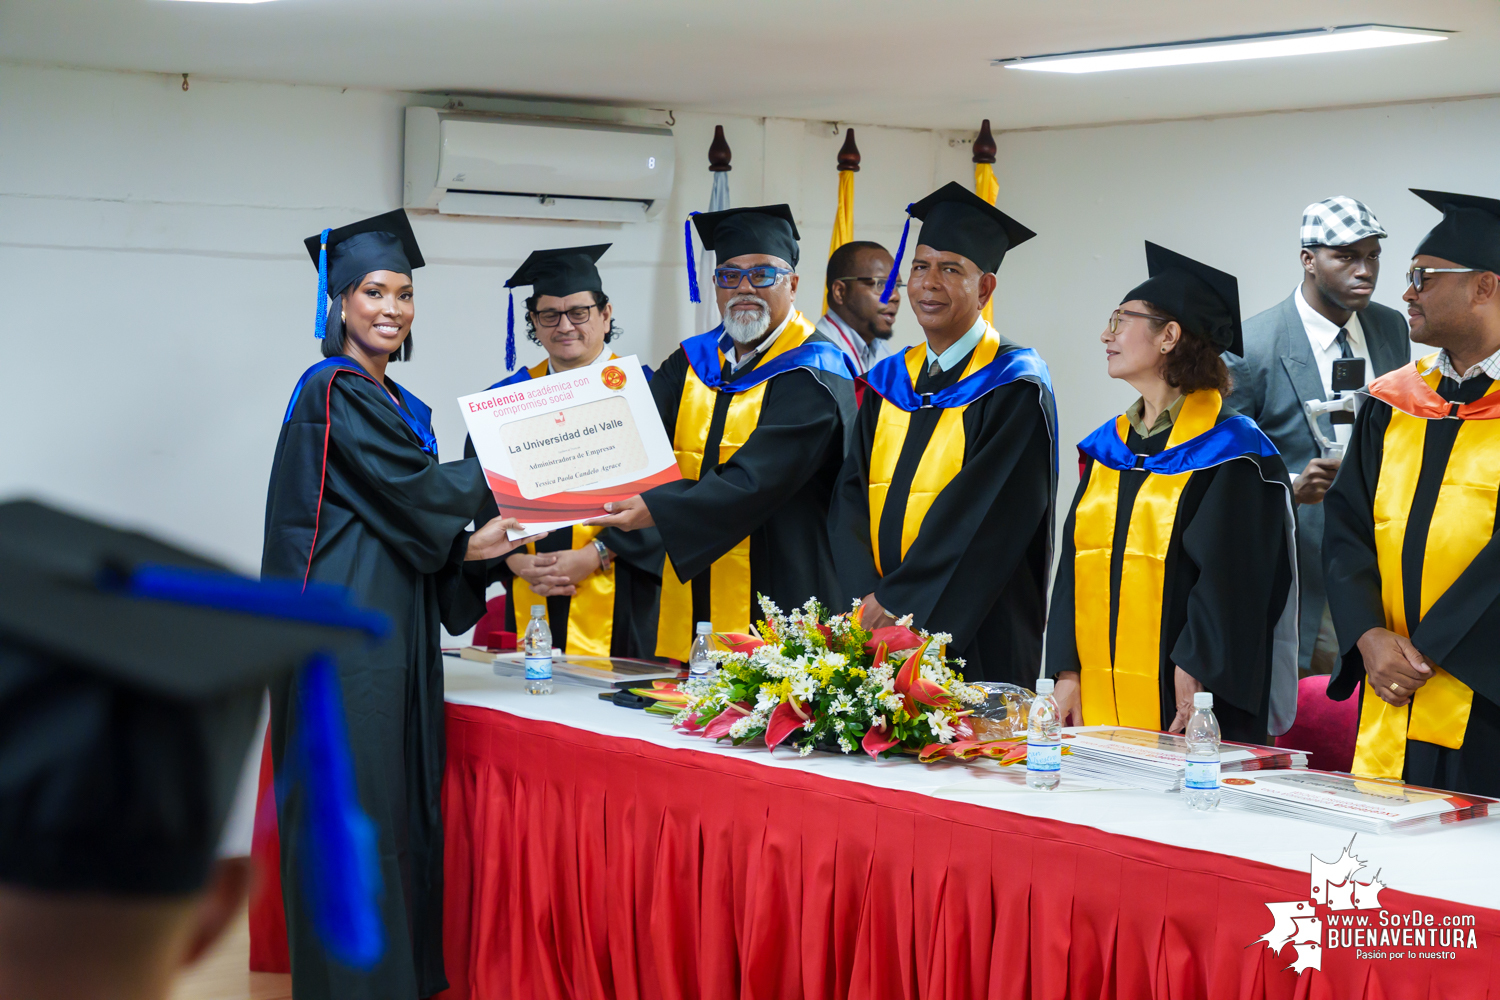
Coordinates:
1177	573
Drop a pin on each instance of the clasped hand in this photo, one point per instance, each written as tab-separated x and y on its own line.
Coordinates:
555	574
1394	666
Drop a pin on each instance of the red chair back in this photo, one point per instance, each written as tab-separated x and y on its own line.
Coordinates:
1324	727
491	628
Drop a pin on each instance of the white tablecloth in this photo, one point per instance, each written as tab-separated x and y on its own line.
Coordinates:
1454	862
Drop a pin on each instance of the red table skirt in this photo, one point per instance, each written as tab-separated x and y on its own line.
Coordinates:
591	866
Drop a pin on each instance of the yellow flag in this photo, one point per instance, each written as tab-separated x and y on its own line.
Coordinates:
843	219
987	188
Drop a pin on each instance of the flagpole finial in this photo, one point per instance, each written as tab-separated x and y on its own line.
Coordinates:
718	152
984	144
849	153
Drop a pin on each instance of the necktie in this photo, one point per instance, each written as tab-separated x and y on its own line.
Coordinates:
935	370
1345	351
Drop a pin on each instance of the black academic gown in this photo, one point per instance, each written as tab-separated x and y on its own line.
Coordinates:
1228	572
978	568
1459	632
380	516
637	585
775	490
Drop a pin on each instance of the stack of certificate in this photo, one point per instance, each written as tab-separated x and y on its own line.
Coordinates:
1144	758
1350	802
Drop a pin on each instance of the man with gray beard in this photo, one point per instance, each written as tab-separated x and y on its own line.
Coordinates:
771	400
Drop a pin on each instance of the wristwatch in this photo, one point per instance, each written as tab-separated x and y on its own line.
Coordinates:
604	556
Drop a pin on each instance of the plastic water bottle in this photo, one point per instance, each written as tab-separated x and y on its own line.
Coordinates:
537	644
1043	739
699	665
1201	782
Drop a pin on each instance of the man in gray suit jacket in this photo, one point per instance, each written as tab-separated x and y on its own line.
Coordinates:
1289	354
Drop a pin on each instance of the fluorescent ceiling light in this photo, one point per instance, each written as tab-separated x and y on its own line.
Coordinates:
1210	50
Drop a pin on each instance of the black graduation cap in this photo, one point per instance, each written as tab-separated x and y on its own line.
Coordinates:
131	677
735	232
1205	300
344	255
956	220
1469	233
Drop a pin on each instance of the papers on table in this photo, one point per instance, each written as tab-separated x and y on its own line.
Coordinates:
1144	758
593	671
1354	803
556	449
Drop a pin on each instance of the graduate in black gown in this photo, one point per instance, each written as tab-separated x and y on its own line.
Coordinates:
599	603
758	410
1177	573
1411	553
944	505
358	498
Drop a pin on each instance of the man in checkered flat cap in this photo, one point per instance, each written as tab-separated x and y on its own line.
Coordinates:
1289	354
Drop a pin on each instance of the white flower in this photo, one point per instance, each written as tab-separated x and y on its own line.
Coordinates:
765	700
892	702
805	749
940	727
842	704
877	722
845	744
739	727
904	621
804	687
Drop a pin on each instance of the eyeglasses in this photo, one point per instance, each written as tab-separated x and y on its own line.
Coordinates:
763	276
1414	274
873	282
1114	318
549	318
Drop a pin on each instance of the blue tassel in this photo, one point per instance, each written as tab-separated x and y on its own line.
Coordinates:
510	331
692	265
320	324
338	843
895	275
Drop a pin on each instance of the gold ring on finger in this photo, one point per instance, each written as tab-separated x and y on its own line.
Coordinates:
1395	687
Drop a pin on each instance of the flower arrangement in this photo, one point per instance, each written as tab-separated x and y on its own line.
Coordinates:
822	681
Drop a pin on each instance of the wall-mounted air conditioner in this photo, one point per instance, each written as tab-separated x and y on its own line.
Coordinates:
471	164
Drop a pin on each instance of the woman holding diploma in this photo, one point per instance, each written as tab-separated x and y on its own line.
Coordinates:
1176	574
358	498
599	602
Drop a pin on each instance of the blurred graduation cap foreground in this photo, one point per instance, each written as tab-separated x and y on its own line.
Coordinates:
131	679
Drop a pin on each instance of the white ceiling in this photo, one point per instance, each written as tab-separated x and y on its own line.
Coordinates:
866	61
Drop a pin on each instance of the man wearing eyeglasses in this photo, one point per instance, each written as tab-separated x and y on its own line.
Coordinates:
944	505
1410	551
758	410
600	599
856	320
1289	354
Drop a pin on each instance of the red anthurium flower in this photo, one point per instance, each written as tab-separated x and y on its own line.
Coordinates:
827	634
691	725
718	729
909	673
787	718
738	642
895	637
877	741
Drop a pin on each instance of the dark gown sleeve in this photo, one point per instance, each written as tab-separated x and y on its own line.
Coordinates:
701	520
418	507
982	524
1351	574
1062	637
1237	543
849	513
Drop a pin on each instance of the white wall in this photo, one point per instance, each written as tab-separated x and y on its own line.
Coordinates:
159	303
1229	192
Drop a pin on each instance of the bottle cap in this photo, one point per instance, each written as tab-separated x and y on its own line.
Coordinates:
1044	685
705	628
1203	699
539	611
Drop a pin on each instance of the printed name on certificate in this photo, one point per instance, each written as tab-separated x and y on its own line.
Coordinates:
554	452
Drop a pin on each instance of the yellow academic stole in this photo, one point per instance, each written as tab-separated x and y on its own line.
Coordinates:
941	459
591	610
1126	691
729	576
1462	524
